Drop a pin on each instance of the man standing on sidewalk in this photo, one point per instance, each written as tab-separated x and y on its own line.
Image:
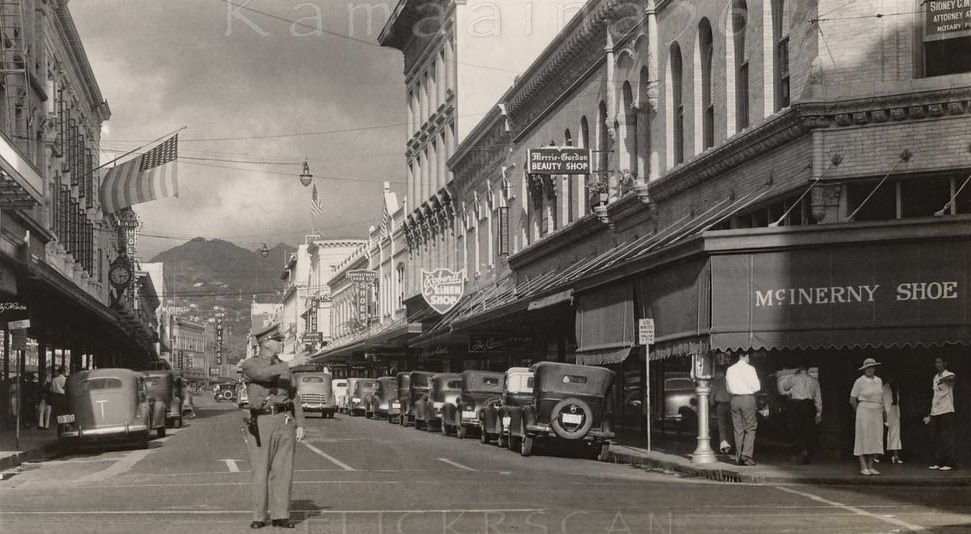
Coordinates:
941	418
58	397
722	400
743	383
806	404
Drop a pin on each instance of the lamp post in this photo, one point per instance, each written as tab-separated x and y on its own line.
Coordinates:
305	177
264	251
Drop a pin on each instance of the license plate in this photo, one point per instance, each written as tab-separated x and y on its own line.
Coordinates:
506	421
468	415
396	405
572	419
64	419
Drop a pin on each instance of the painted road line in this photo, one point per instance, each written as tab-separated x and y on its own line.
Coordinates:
858	511
231	465
297	511
121	466
456	464
328	457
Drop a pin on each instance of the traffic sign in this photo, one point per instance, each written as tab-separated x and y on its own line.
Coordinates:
645	331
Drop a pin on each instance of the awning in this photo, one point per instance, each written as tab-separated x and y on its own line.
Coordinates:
21	184
605	324
866	294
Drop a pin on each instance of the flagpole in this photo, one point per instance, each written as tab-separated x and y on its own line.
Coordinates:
132	151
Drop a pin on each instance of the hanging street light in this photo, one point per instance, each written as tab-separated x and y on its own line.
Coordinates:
305	176
264	251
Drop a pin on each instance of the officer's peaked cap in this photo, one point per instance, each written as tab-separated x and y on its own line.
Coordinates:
268	330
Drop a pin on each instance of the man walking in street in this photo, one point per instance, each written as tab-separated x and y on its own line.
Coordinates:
274	425
743	383
806	406
941	418
58	397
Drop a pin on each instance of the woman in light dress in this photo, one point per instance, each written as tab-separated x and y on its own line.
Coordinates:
891	405
866	397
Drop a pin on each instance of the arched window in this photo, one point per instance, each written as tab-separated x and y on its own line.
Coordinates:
584	132
630	128
705	53
602	139
567	138
739	23
677	103
643	127
780	40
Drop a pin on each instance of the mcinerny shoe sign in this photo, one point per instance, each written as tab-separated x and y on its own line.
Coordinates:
800	296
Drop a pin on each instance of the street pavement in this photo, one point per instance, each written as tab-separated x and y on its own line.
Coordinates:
354	475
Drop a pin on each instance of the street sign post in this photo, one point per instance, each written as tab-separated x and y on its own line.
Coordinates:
645	337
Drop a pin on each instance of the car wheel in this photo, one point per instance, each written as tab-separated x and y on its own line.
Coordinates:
604	453
461	432
526	445
161	431
575	406
512	442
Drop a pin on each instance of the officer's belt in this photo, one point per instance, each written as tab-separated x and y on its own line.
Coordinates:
273	409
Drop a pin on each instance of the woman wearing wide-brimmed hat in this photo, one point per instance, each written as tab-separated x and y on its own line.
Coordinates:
866	397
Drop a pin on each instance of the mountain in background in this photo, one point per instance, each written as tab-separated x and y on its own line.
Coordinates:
202	275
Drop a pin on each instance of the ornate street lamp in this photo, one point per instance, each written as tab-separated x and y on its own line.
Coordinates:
305	176
264	251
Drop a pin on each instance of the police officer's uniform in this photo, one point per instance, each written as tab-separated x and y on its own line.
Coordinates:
275	406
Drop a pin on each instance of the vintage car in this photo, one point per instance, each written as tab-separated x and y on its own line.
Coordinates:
517	391
445	388
416	393
360	391
340	393
166	388
109	405
316	393
479	389
224	392
384	404
570	404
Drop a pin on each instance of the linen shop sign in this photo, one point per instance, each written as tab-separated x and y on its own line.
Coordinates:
558	160
442	288
947	19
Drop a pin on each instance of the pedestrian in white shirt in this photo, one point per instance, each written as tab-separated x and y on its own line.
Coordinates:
58	390
743	383
941	417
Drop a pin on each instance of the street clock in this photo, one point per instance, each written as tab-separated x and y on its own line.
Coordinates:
120	273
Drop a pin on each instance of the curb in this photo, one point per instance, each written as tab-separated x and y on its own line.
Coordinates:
738	476
17	458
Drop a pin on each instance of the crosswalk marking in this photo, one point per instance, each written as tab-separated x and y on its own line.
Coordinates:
456	464
328	457
231	465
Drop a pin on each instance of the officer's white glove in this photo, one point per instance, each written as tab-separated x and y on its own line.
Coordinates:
300	433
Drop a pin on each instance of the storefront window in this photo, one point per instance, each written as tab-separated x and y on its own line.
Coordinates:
881	206
924	197
948	56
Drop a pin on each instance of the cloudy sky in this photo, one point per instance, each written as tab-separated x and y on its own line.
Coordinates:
257	80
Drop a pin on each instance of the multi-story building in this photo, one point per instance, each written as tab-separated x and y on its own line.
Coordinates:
191	345
788	178
56	246
304	316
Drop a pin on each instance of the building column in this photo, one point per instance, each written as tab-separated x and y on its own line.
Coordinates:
41	355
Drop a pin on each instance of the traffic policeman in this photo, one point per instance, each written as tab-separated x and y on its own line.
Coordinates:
271	430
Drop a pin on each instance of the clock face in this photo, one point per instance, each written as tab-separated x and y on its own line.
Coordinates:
119	275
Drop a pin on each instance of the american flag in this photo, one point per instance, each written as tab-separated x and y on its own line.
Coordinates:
151	176
315	207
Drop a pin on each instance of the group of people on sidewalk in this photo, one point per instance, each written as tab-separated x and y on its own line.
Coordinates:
875	400
39	401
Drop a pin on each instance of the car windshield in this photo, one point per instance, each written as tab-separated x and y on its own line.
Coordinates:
453	384
101	383
520	384
490	381
312	380
574	379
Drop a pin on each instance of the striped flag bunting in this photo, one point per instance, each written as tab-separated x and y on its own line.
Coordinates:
315	206
150	176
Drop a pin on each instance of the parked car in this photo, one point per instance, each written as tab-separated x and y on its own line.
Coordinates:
316	392
242	396
224	392
570	404
351	384
479	389
445	389
384	404
418	387
161	386
105	405
360	394
404	396
679	389
517	392
340	393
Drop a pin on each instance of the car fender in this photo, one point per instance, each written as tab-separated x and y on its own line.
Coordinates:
529	415
515	417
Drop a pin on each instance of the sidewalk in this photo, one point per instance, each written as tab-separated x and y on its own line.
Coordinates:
34	443
779	471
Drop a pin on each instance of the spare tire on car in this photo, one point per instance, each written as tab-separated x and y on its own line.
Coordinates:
573	409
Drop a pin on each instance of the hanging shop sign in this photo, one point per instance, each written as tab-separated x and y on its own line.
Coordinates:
363	310
503	231
362	276
442	288
558	160
947	19
312	337
484	343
